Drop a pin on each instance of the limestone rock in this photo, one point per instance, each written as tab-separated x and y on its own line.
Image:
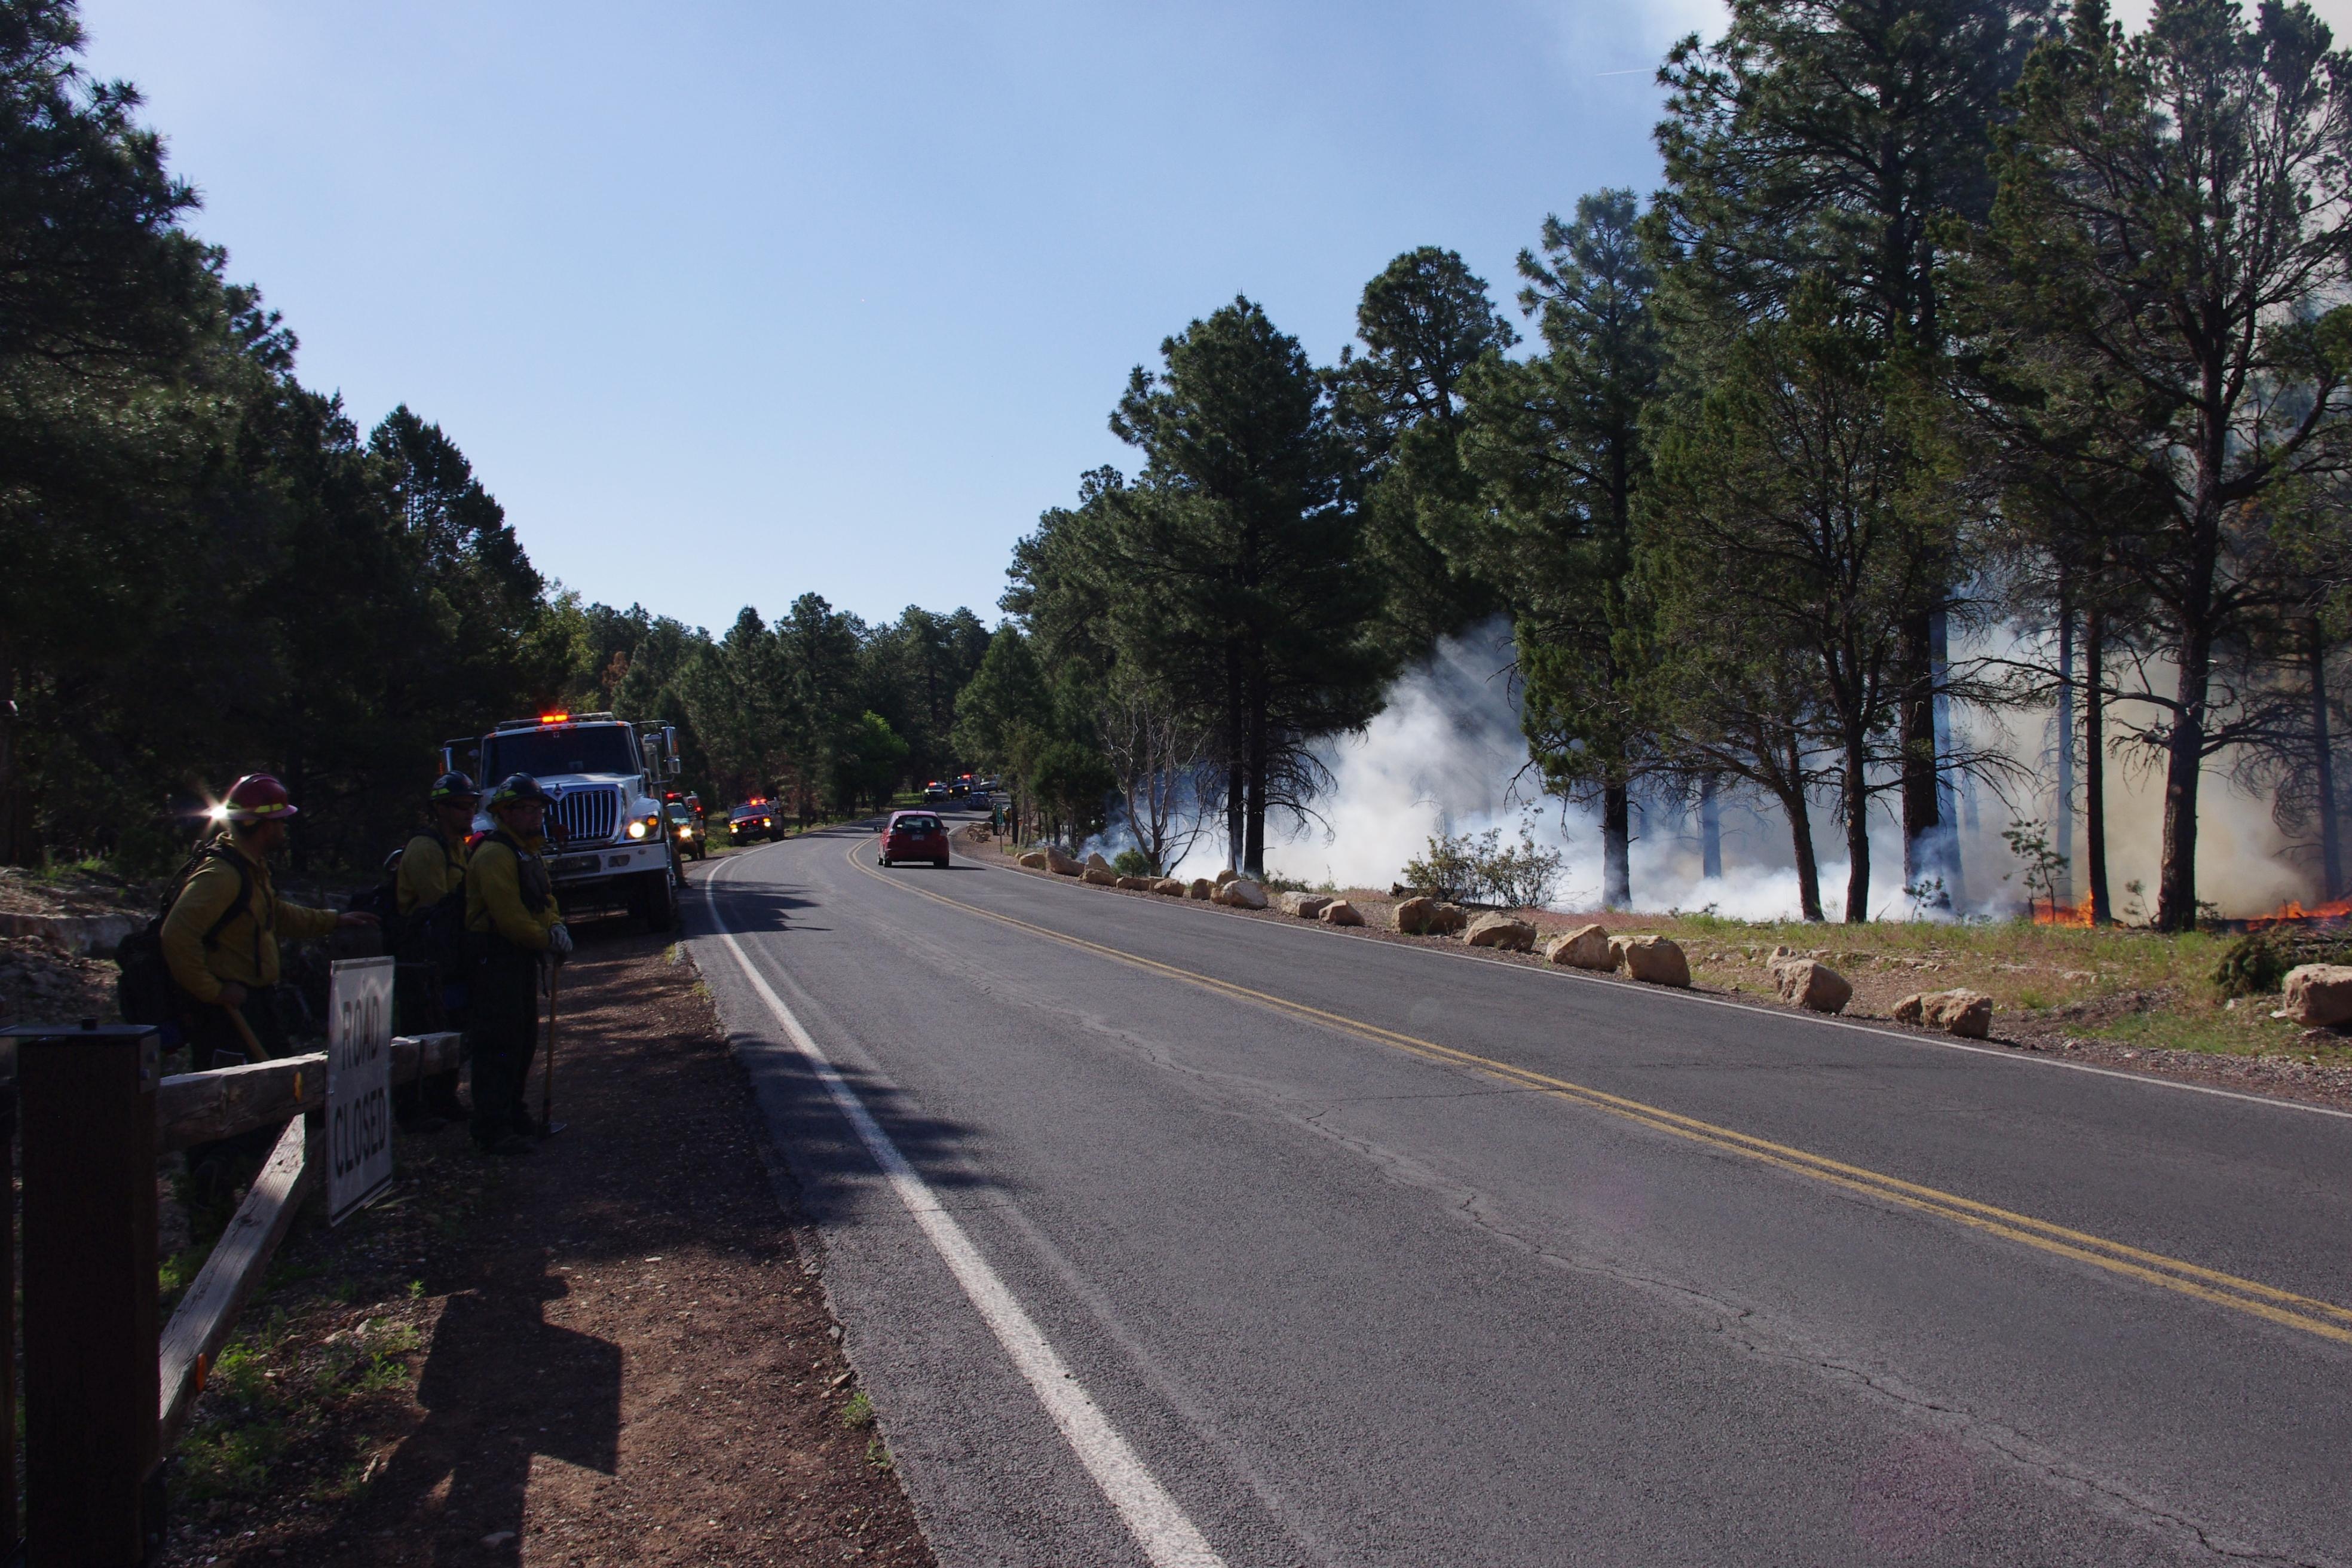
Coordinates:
1961	1012
1170	887
1241	893
1412	915
1061	865
1306	906
2317	995
1449	919
1136	884
1097	861
1100	876
1809	983
1586	947
1654	959
1501	932
1200	888
1035	859
1340	912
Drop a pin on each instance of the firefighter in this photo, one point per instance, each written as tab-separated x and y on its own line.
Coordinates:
221	936
430	894
515	931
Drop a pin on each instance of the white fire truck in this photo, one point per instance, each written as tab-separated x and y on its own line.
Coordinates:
609	845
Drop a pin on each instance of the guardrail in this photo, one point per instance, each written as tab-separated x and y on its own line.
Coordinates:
107	1392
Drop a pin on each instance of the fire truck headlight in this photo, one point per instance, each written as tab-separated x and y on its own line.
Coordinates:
636	830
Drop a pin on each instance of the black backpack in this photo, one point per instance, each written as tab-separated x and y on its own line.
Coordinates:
382	901
434	934
144	990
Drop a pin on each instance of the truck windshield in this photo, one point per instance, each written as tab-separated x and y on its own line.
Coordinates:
574	749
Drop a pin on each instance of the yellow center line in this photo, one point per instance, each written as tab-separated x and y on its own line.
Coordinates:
2324	1318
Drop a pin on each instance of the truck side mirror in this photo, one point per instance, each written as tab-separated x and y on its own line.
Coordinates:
675	765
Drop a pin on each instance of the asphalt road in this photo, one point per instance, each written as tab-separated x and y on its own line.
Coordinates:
1162	1235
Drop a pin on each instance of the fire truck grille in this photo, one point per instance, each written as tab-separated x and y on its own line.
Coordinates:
589	815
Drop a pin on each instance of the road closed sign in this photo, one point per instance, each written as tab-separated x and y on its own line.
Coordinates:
359	1084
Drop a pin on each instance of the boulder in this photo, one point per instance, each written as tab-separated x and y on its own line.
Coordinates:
1098	862
1809	983
1586	947
2316	996
1241	893
1306	906
1136	884
1653	960
1200	888
1061	865
1169	886
1035	859
1959	1011
1449	919
1100	876
1501	932
1412	916
1340	912
1227	875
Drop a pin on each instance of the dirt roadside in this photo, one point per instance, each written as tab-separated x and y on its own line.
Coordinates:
612	1350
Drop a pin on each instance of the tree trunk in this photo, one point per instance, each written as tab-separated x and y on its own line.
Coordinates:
1253	844
1616	842
2323	761
2065	835
1710	830
1800	838
1922	818
2176	899
1236	769
12	850
1857	831
2094	764
1947	816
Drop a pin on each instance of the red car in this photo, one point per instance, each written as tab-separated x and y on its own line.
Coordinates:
914	835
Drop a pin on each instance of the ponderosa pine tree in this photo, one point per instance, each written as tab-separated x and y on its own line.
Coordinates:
1424	321
1824	142
1240	566
2175	213
1555	444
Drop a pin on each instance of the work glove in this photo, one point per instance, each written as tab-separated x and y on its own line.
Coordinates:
559	942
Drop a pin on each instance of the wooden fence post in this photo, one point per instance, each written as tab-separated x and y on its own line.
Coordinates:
93	1491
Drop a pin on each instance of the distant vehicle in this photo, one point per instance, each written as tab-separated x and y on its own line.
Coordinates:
989	785
934	792
960	786
752	821
685	826
914	835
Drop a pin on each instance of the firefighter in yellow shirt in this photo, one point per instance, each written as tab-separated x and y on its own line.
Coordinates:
221	936
515	929
429	892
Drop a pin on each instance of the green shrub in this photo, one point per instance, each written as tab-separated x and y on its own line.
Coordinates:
1134	863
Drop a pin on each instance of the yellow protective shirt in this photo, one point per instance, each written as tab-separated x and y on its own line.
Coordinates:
429	867
246	950
495	880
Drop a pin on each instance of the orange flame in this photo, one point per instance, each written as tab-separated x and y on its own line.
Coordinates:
2063	914
2292	911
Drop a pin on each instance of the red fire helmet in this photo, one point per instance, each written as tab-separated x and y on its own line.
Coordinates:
258	797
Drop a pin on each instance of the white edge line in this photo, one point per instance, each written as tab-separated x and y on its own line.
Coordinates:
1999	1053
1158	1525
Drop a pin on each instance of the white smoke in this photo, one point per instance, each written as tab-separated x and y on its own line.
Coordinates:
1446	755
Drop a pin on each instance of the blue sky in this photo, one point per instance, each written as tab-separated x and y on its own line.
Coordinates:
732	301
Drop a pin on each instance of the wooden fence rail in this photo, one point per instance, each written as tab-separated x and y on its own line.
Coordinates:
93	1114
